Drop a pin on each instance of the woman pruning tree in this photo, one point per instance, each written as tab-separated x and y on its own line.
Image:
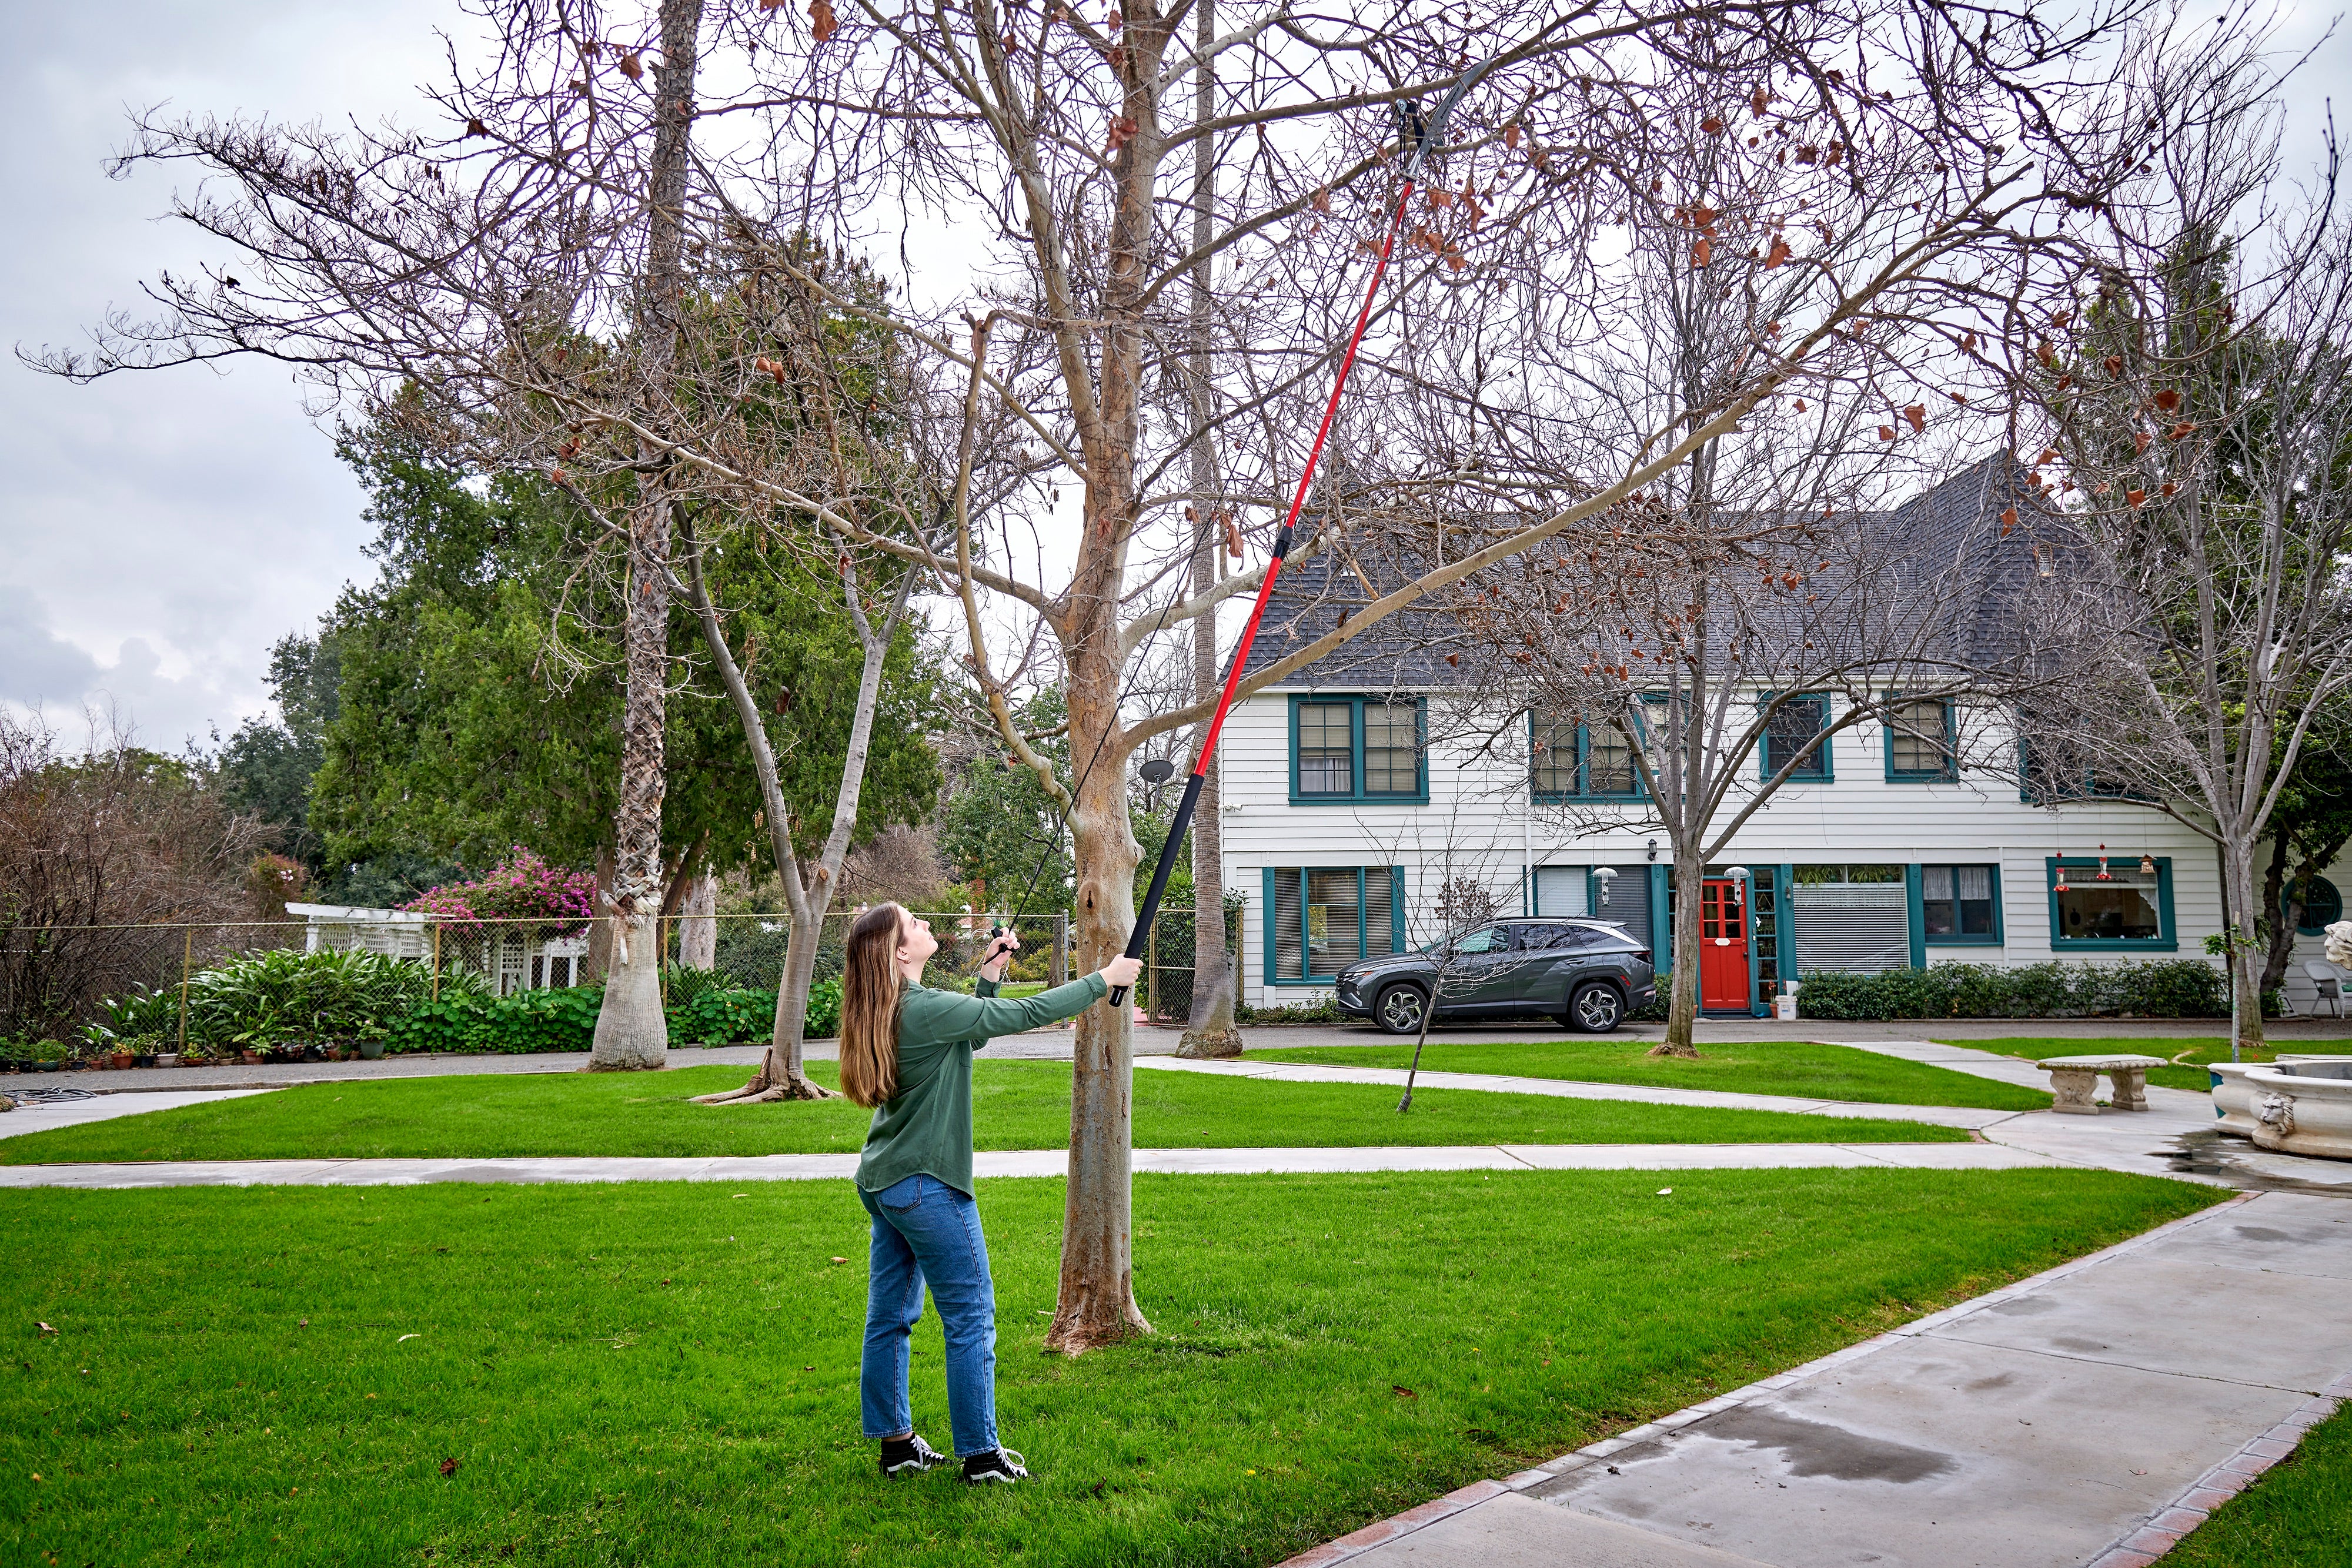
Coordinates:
905	1052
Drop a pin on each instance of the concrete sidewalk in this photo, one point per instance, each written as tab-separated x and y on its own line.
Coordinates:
2089	1415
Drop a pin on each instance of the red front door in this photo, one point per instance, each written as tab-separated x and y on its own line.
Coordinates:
1722	947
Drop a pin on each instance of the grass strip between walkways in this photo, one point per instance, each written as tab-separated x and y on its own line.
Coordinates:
1016	1105
1796	1067
2298	1515
2191	1053
666	1373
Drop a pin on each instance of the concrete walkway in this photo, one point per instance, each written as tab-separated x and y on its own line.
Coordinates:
2089	1415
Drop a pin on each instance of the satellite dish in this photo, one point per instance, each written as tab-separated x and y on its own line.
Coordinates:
1159	770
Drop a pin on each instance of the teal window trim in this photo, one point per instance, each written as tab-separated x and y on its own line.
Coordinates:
1584	790
1999	937
1784	911
1824	767
1919	916
1662	930
1357	795
1396	920
2166	939
1944	775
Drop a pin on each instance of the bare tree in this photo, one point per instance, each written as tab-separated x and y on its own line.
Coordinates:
2203	404
1946	151
93	846
1935	145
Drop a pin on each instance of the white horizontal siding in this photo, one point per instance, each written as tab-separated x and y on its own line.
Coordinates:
1479	824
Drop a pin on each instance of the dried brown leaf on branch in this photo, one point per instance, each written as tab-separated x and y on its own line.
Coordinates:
1917	415
630	66
1701	251
820	21
1778	254
1711	125
2167	400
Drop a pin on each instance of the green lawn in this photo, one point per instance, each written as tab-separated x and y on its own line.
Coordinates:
2184	1049
1797	1067
2294	1516
666	1372
1016	1105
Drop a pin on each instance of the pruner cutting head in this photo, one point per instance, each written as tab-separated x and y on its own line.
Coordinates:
1413	130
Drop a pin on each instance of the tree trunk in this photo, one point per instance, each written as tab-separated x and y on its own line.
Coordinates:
1210	1031
1096	1303
1681	1011
780	1076
2245	950
698	925
599	961
2290	908
631	1033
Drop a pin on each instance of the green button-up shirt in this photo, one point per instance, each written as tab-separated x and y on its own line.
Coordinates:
927	1128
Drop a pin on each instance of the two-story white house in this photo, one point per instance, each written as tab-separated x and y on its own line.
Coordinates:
1343	821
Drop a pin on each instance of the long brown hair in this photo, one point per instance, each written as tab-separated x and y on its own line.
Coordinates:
870	1007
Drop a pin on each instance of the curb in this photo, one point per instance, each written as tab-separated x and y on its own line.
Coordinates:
2282	1438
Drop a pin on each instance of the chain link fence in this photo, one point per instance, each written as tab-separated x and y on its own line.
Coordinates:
1171	962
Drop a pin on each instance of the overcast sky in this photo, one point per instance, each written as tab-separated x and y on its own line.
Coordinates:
159	532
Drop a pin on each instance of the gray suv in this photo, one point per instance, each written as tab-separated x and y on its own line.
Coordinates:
1587	974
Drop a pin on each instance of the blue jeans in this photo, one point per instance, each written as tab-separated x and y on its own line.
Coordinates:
925	1229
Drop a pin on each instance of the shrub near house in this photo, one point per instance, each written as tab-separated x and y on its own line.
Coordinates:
2174	988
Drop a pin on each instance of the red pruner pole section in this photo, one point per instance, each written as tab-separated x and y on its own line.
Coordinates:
1177	828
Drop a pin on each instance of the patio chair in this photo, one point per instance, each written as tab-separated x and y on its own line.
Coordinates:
2327	980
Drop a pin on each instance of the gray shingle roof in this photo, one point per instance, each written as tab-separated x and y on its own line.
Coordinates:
1914	549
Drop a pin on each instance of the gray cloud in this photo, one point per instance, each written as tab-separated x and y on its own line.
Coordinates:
159	532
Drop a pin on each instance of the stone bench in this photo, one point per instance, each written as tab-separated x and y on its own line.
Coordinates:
2073	1078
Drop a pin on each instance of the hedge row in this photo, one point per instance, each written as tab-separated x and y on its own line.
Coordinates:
2170	988
564	1018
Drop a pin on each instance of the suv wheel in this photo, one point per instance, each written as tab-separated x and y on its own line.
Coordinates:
1399	1008
1594	1007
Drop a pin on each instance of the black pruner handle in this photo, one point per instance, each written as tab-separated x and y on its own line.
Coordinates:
1168	852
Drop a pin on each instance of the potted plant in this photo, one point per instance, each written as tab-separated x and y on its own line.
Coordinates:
371	1041
50	1056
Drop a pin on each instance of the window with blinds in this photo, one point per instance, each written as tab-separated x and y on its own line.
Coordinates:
1571	759
1920	742
1327	751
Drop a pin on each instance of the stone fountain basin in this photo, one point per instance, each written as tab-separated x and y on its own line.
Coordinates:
2234	1097
2302	1107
